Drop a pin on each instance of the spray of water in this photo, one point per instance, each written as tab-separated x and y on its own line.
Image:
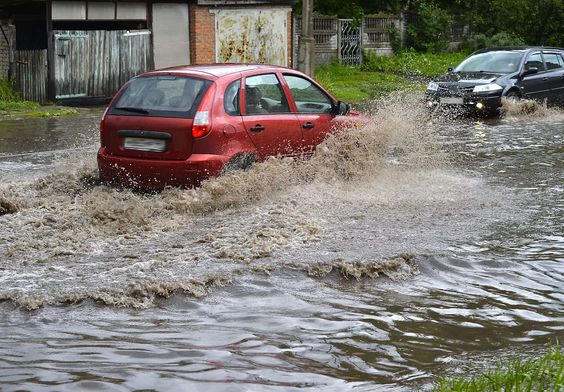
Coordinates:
526	109
64	238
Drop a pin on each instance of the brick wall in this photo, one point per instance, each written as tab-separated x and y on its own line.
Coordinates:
5	49
202	35
290	49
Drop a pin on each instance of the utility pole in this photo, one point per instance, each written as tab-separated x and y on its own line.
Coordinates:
306	43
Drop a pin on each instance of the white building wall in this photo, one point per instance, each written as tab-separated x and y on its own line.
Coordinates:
171	40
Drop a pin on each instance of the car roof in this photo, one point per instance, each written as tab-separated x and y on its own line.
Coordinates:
215	70
516	49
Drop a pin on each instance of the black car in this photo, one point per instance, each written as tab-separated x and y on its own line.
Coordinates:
483	78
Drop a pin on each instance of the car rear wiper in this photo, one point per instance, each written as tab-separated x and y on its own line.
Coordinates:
130	109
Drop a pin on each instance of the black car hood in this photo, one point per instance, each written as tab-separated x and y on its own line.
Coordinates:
468	77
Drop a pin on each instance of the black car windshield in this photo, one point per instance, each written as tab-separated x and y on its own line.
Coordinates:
161	95
494	62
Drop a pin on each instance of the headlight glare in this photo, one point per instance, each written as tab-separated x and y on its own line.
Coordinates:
487	88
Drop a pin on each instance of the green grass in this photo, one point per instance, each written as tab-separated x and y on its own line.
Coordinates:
42	111
544	374
356	85
409	62
380	76
10	100
11	105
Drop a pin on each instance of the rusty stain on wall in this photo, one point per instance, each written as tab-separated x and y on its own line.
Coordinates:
252	35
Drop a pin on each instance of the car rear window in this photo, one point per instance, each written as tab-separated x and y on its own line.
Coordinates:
161	96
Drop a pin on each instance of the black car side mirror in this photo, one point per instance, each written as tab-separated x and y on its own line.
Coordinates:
450	69
341	109
530	71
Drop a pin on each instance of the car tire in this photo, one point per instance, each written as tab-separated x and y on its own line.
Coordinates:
513	96
239	162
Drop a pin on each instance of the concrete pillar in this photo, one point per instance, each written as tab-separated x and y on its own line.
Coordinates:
306	43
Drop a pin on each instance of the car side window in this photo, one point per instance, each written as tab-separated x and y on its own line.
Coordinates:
231	98
534	61
308	97
264	95
553	61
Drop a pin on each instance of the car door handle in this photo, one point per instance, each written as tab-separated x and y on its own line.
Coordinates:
257	128
544	79
308	125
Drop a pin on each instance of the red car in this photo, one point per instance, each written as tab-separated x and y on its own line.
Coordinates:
179	126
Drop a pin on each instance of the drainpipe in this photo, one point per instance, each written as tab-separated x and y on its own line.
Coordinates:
306	43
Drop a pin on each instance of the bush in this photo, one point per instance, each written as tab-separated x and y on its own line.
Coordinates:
7	92
10	100
480	41
431	30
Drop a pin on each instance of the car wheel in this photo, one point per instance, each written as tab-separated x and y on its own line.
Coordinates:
239	162
513	96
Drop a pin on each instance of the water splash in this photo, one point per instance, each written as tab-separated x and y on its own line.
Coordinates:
72	239
526	108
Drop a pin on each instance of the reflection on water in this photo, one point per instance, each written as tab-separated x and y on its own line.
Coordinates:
398	252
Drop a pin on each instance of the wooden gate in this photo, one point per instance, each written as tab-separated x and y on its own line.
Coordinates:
31	74
97	63
71	64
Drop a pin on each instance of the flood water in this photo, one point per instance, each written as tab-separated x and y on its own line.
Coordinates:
402	251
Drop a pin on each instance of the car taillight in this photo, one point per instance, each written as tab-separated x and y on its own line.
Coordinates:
201	124
102	122
202	120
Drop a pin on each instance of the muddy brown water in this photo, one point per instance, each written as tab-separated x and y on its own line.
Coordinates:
401	251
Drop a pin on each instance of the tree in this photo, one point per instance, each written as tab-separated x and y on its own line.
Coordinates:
431	27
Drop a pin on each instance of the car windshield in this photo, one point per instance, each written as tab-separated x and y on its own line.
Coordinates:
494	62
165	95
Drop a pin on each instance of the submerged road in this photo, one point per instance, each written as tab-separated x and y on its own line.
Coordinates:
405	250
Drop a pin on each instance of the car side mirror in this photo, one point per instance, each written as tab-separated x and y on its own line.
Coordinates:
341	109
450	69
530	71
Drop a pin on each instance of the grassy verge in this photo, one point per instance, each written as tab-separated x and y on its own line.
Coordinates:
355	85
380	76
542	374
39	111
11	105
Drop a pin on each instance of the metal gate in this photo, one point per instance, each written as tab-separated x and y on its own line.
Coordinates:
350	42
97	63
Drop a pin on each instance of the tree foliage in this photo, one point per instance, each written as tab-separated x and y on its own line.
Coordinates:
538	22
431	30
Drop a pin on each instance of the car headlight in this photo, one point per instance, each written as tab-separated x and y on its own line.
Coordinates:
432	86
487	88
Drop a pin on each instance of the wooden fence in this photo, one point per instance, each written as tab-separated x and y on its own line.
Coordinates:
96	63
85	64
31	74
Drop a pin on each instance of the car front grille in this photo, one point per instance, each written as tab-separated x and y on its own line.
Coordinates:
455	90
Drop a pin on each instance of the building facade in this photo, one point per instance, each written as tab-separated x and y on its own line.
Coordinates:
69	50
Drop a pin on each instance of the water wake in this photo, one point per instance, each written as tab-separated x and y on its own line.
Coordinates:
64	238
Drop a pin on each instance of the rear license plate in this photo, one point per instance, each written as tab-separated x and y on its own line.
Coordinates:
452	100
144	144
